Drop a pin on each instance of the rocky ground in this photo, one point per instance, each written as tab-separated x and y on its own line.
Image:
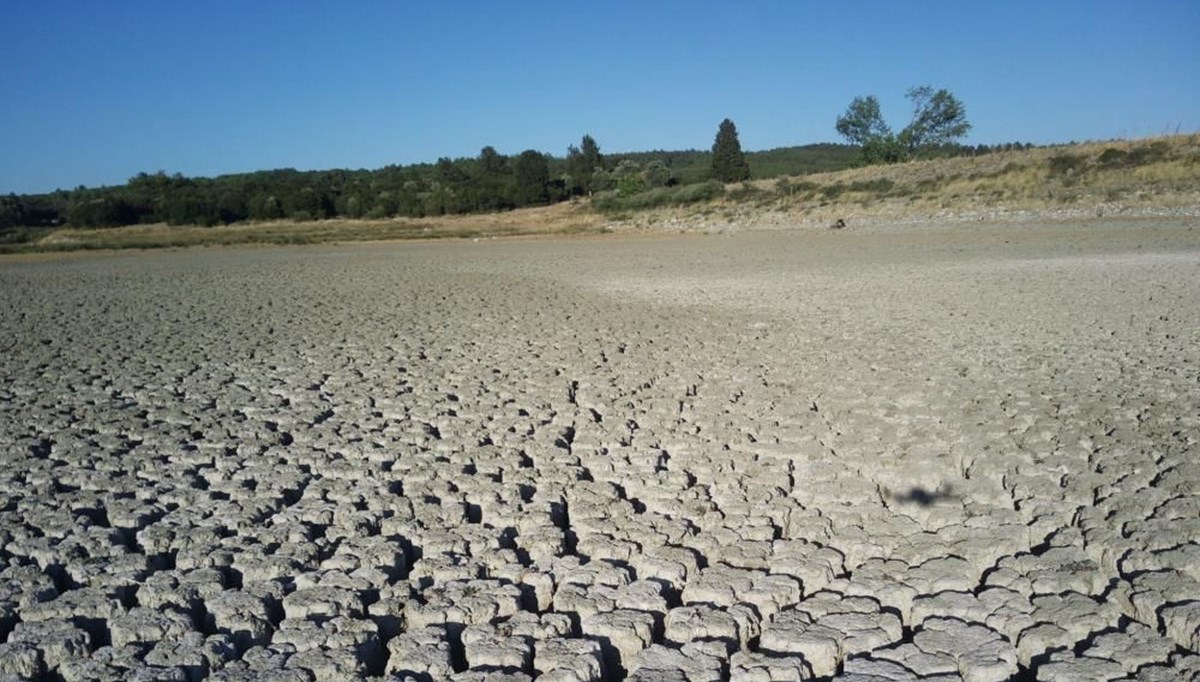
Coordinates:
931	452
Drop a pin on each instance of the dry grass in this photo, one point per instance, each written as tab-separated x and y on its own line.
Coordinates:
561	219
1105	177
1157	172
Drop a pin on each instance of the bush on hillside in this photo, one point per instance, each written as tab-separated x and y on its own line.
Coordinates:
614	201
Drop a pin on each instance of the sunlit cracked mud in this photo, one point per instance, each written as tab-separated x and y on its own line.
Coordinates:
938	453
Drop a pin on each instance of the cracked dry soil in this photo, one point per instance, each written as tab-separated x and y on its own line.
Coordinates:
936	453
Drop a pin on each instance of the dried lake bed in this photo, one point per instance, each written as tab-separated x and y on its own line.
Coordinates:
934	452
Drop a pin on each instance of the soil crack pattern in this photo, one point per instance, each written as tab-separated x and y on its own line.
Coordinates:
955	452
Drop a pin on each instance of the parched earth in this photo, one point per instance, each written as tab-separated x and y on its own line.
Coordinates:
938	453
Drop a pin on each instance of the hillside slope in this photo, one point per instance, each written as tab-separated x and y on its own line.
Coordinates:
1152	176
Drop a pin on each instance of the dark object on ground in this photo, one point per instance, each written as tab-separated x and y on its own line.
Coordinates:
838	225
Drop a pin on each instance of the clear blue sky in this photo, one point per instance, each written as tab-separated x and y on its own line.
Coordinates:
93	92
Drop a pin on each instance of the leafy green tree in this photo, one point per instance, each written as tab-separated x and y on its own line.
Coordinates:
449	172
863	121
307	204
628	177
12	211
492	163
450	188
557	190
657	174
33	210
231	207
884	149
582	164
728	162
408	199
102	211
385	206
603	180
189	204
266	207
438	200
493	181
863	125
531	171
939	120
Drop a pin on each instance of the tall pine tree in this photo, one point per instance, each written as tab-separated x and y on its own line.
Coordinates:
728	162
582	163
532	175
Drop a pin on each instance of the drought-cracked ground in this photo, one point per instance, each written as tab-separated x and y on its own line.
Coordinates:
943	452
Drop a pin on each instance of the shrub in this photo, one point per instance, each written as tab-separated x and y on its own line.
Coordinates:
833	191
1066	164
19	235
930	184
1113	158
745	192
614	202
1138	156
1150	153
877	186
702	191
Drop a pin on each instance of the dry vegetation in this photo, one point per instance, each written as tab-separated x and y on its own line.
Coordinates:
560	219
1100	177
1096	177
1160	172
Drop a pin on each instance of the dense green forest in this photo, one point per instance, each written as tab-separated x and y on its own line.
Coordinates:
488	182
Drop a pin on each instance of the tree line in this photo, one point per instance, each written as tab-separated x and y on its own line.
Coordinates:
488	182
